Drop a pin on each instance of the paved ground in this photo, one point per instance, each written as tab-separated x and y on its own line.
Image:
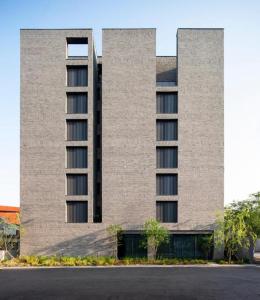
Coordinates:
132	283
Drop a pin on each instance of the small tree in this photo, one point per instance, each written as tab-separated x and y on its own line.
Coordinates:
239	227
155	235
115	232
251	208
232	232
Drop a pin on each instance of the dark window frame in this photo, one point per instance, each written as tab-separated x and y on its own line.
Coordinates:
164	132
78	80
163	161
165	188
163	214
77	106
164	105
74	134
76	214
74	159
131	245
186	245
76	188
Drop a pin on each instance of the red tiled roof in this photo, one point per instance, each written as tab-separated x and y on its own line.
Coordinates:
9	208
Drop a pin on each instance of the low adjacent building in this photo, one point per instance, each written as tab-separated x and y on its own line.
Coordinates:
10	214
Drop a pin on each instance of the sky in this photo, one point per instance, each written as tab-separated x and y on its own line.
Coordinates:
241	21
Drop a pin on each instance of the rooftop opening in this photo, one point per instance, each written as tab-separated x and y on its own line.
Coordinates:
166	71
77	48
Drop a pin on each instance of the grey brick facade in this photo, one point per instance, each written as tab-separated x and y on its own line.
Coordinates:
126	173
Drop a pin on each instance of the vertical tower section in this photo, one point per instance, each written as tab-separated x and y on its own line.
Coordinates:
128	125
56	139
201	126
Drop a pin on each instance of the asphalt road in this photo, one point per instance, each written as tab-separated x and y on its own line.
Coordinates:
132	283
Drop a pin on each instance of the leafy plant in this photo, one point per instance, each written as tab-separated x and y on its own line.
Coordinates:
155	235
68	261
239	227
53	261
115	232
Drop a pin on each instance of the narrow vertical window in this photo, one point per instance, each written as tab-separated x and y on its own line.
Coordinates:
166	103
166	211
167	157
77	103
77	184
167	130
166	184
77	211
77	157
77	130
77	75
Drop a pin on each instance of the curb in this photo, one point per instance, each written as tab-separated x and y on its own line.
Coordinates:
129	266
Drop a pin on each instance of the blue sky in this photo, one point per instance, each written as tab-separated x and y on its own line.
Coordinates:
241	20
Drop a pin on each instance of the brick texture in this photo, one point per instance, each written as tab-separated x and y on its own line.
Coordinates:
130	68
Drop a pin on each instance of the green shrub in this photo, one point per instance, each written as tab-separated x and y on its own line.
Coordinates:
221	261
30	260
11	262
111	260
52	261
81	261
100	261
68	261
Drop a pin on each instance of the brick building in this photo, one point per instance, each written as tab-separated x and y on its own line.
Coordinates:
119	139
